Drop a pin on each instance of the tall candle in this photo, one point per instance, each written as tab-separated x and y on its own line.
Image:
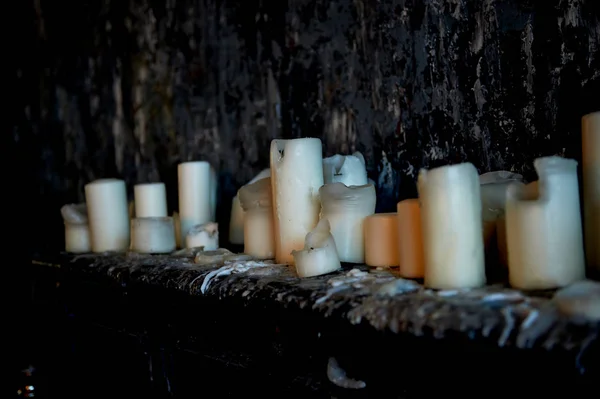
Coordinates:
346	209
590	133
319	255
236	222
381	239
543	225
255	199
153	235
77	234
150	200
296	176
347	169
195	195
410	239
203	235
451	222
108	215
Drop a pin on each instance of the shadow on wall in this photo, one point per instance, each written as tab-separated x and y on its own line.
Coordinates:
129	89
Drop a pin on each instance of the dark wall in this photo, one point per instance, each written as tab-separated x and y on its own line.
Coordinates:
131	88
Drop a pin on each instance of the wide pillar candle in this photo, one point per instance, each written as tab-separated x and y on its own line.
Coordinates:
381	239
255	199
150	200
410	239
348	169
296	176
590	133
108	215
236	221
195	195
452	227
346	209
77	233
543	228
153	235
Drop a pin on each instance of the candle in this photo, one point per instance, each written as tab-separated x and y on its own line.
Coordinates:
319	255
543	228
347	169
296	176
195	195
346	209
203	235
153	235
77	235
451	227
381	240
410	240
108	215
236	222
150	200
591	187
255	199
580	299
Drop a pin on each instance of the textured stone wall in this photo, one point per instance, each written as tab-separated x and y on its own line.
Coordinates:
131	88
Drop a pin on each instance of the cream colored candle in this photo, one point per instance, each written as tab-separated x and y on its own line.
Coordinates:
590	133
77	234
203	235
150	200
236	222
346	209
381	240
319	255
347	169
543	228
255	199
410	239
451	222
108	215
296	176
195	195
153	235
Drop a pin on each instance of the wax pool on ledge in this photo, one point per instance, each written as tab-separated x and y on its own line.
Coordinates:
77	234
346	209
319	255
153	235
195	182
236	223
108	215
150	200
203	235
591	187
543	227
347	169
381	240
255	199
296	176
410	239
451	222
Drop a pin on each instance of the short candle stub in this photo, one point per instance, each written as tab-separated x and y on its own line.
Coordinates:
153	235
77	233
319	255
203	235
347	169
74	213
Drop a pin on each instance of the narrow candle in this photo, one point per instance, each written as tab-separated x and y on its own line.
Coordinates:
296	176
319	255
150	200
381	239
203	235
543	226
77	234
194	194
255	199
590	133
153	235
347	169
108	215
451	227
236	223
410	239
346	209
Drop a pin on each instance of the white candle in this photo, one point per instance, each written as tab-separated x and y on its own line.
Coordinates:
410	239
319	255
451	222
346	209
195	195
108	215
77	234
543	226
347	169
153	235
236	223
203	235
381	239
259	238
150	200
591	187
296	176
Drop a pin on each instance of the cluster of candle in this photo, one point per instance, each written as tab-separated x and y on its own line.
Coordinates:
316	213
